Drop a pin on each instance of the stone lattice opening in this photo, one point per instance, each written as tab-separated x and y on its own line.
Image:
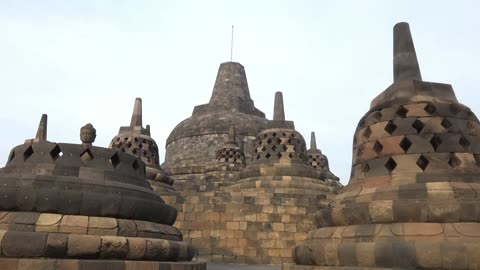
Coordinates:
390	165
422	162
402	112
377	147
365	168
86	155
418	125
446	123
477	160
377	115
436	141
367	133
115	160
454	161
430	108
55	153
135	165
464	142
390	127
405	144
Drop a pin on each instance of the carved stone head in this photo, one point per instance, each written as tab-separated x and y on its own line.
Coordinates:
88	134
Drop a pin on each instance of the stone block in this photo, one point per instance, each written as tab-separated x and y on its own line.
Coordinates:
56	246
113	247
136	248
23	244
83	245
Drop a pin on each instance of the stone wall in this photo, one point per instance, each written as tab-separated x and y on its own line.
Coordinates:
256	221
202	149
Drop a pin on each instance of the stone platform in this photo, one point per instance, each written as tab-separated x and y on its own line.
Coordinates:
68	264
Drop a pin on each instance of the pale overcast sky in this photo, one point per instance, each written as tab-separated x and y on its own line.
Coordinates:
86	61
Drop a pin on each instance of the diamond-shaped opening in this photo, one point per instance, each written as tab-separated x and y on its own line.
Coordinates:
144	141
295	148
135	165
279	141
274	134
360	151
390	165
377	147
264	149
430	108
293	135
144	152
377	115
446	123
402	112
268	155
86	155
464	142
367	133
140	146
274	148
256	150
115	160
134	151
11	157
269	141
366	168
477	160
405	144
418	125
125	138
290	155
135	139
279	155
289	141
56	152
390	127
454	161
455	109
284	134
128	144
436	141
258	157
422	162
284	148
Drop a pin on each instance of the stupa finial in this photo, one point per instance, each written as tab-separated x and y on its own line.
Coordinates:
42	129
137	114
278	110
313	141
405	63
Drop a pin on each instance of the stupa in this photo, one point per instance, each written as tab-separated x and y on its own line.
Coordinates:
413	198
79	206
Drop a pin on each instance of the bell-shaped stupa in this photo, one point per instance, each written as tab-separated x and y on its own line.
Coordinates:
413	198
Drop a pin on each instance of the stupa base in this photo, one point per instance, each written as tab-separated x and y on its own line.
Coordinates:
74	264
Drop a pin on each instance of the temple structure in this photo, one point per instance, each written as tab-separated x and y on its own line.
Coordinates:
79	206
413	198
248	185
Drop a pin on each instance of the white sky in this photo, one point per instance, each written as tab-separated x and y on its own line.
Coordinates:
86	61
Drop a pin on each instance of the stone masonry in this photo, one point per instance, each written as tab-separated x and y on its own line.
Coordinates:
248	190
413	198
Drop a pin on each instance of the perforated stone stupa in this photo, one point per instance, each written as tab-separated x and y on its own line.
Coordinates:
248	191
79	206
412	200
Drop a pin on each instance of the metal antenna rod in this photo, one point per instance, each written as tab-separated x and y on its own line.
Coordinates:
231	47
